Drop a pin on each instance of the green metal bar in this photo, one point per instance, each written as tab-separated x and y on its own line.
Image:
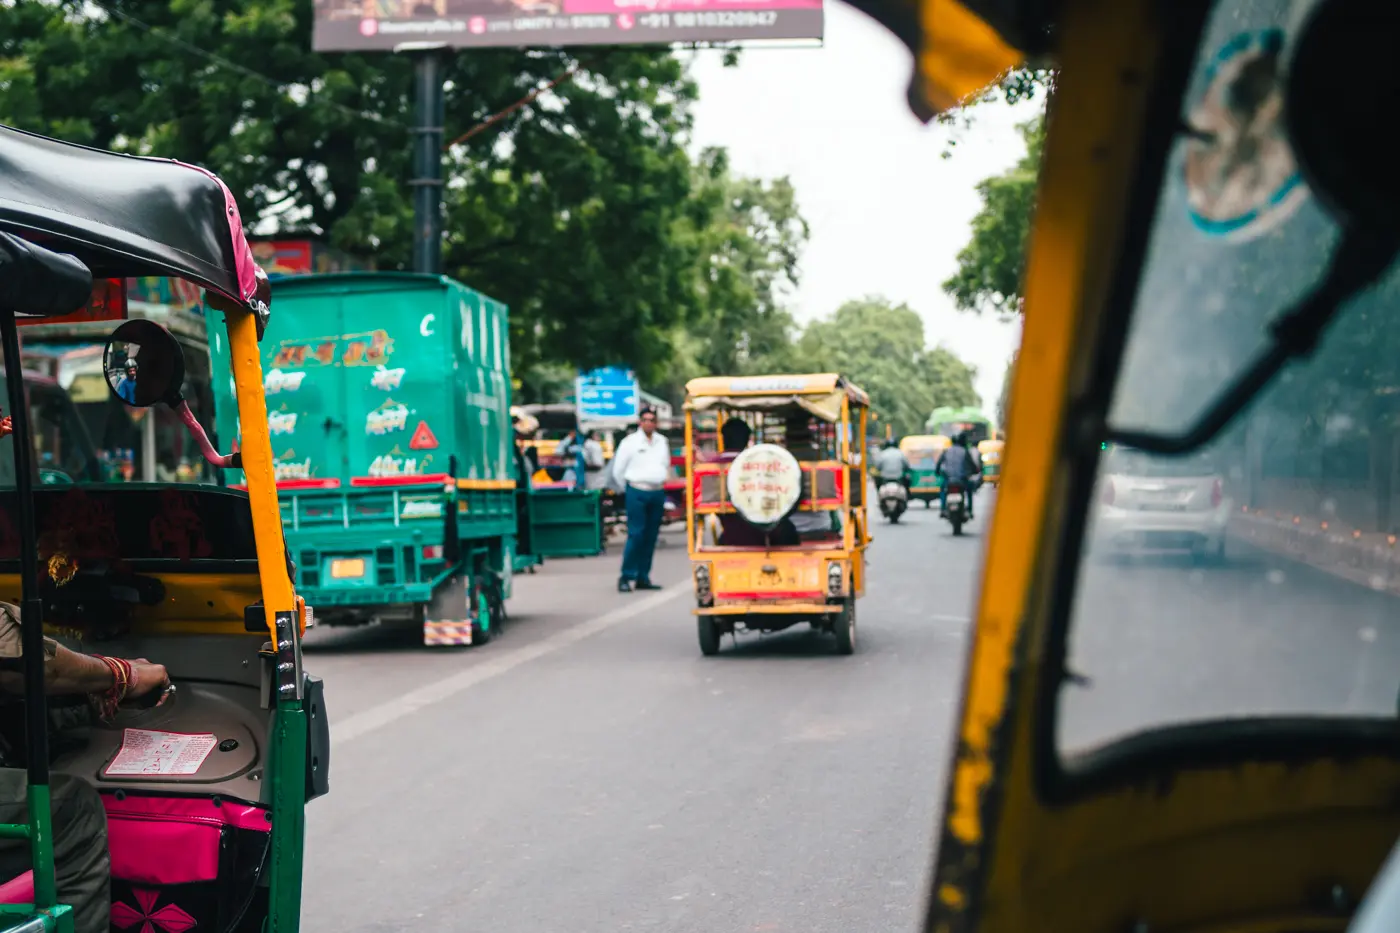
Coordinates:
14	830
41	845
288	774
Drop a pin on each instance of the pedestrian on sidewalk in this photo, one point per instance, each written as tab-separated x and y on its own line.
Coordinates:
641	464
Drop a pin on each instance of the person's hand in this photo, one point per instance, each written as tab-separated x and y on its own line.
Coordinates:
146	677
7	426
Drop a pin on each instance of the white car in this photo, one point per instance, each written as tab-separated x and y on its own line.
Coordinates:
1148	502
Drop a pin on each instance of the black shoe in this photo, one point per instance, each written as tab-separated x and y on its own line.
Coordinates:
647	585
624	585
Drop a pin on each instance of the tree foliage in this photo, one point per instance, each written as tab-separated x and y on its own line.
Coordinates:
564	209
990	266
882	346
1004	398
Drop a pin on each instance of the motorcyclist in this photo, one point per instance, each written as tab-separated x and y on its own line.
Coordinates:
957	464
891	466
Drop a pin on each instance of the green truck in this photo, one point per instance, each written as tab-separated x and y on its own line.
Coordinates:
403	497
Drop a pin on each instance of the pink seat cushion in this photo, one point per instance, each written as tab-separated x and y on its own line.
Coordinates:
19	890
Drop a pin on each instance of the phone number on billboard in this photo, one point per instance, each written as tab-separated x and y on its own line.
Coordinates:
721	18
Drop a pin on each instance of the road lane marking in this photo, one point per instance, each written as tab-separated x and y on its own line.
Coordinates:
377	717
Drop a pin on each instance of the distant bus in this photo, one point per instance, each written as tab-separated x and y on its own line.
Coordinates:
950	422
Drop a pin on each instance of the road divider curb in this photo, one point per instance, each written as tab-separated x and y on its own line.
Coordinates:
1370	560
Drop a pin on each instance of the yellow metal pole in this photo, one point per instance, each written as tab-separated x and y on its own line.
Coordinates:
277	590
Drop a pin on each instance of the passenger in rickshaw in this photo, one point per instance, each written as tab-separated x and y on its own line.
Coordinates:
802	444
79	821
735	435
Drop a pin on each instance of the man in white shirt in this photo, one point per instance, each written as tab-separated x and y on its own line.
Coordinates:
641	465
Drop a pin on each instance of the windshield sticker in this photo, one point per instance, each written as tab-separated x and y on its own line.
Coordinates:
278	381
387	379
423	438
387	418
1242	179
282	422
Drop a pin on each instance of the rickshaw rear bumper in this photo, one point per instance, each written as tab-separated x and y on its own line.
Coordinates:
758	608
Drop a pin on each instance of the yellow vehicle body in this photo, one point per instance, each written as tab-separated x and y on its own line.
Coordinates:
991	452
758	585
922	450
1262	823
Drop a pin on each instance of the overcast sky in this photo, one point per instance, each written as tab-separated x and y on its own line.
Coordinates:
888	215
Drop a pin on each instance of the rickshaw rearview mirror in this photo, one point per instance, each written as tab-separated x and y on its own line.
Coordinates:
144	364
1333	89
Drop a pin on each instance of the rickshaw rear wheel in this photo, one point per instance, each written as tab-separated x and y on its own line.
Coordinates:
845	628
708	631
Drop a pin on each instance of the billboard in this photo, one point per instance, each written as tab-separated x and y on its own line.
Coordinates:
303	257
381	25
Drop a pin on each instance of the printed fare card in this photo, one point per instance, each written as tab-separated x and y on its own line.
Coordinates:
145	751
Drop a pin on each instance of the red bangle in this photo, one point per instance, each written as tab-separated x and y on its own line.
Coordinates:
108	700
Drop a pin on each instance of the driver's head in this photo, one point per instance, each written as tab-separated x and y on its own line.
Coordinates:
735	434
131	367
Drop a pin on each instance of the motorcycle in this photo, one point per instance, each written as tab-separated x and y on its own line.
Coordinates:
957	514
894	499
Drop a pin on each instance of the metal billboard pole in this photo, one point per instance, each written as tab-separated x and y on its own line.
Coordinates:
426	180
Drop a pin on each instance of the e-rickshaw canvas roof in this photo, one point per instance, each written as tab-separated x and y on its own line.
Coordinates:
820	394
127	216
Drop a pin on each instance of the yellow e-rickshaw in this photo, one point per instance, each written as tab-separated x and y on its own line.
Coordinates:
990	451
922	450
775	517
1212	264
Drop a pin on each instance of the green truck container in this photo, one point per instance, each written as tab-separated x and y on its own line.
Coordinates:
403	499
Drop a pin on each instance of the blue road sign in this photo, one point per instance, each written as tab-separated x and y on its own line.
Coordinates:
608	393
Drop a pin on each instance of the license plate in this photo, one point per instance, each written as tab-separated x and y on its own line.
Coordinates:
348	568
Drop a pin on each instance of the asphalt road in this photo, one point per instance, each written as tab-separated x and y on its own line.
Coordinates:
591	771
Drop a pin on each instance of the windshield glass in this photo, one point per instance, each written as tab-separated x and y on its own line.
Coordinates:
84	435
1276	548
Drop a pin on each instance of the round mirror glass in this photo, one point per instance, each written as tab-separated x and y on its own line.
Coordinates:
143	364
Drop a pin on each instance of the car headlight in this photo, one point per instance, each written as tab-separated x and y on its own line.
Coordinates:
833	579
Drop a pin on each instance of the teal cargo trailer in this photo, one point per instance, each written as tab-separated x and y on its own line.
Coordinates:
388	398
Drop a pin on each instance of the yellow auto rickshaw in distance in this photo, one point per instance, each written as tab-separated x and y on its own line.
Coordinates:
775	518
1212	266
990	451
922	450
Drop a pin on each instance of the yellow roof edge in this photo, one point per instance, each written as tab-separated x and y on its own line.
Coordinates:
775	384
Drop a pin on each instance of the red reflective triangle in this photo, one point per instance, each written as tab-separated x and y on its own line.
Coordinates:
423	438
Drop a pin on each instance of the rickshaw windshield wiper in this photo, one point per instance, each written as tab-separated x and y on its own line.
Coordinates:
1362	256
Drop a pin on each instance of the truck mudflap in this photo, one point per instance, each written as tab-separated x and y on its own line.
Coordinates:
461	613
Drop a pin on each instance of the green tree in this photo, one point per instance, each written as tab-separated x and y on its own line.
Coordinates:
747	236
1004	398
881	346
990	266
563	209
